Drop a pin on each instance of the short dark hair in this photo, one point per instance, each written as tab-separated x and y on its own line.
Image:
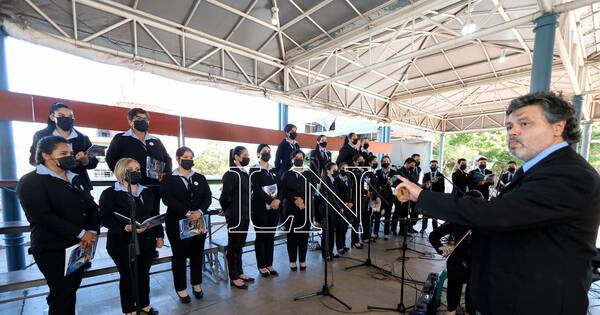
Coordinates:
329	165
371	158
356	157
409	160
460	160
415	155
295	152
134	111
319	137
473	193
47	145
386	157
555	109
511	162
181	151
289	127
483	158
262	146
433	161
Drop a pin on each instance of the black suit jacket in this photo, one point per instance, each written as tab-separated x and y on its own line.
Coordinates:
79	144
475	176
318	161
283	156
460	180
56	210
533	245
347	152
504	180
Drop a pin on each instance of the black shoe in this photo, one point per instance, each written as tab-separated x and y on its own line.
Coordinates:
412	231
302	268
342	251
241	287
357	245
185	299
249	279
151	311
265	274
294	268
274	273
198	295
87	265
155	256
346	248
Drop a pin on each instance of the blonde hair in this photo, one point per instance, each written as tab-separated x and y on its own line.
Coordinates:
121	168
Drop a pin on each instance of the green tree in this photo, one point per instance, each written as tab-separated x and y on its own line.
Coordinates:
470	146
212	161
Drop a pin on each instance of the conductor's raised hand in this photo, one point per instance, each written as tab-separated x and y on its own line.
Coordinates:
413	189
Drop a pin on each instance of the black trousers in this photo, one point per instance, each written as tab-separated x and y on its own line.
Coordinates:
434	223
63	290
367	222
458	275
297	245
376	221
401	212
387	209
328	236
235	245
341	229
264	246
120	255
191	248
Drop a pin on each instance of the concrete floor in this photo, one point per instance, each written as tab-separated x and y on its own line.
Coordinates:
273	295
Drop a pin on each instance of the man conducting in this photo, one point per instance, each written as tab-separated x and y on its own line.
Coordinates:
533	245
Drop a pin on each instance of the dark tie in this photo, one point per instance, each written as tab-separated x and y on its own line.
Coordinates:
189	186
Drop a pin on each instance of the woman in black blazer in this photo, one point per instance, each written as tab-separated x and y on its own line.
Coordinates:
265	210
116	199
61	120
187	196
234	201
61	214
348	150
296	196
285	148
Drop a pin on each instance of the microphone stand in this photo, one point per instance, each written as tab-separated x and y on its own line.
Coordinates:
134	247
368	262
326	288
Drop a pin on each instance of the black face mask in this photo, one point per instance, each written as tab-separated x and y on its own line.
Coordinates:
463	167
66	162
385	165
323	144
65	123
266	157
512	169
482	167
410	168
298	162
141	125
434	168
293	135
361	163
417	163
343	173
335	173
365	146
186	164
245	161
354	141
135	178
374	165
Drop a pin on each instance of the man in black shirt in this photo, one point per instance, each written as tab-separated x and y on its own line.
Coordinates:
433	181
479	179
460	178
505	178
283	163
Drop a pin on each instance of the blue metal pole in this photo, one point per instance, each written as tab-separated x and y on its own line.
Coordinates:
283	115
15	243
543	51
